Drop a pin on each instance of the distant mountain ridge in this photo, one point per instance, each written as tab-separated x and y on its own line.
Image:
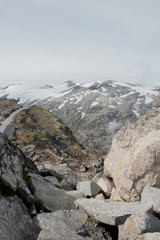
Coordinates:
94	111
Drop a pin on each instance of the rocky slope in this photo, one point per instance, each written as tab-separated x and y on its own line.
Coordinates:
47	140
33	206
94	111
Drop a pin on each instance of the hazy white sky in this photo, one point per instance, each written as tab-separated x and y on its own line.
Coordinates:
53	41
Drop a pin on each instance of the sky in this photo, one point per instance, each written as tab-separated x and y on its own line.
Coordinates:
53	41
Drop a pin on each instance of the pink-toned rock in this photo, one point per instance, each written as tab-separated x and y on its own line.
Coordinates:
138	224
115	195
100	196
134	159
106	186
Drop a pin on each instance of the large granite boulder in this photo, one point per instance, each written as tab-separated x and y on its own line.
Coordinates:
111	212
151	195
134	159
63	224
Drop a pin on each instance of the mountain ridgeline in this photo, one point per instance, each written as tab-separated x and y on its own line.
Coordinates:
94	111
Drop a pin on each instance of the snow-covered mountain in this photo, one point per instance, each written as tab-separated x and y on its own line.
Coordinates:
94	111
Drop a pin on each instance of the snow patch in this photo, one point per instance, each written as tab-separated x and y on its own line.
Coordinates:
135	112
94	103
62	104
79	98
148	99
83	114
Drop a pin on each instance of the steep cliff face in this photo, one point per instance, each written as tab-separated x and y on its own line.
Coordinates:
134	158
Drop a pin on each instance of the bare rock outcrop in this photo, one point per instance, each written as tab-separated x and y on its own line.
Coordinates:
63	224
111	212
134	159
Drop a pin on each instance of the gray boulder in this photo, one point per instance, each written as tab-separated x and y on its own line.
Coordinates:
138	224
63	224
134	158
151	195
88	188
15	222
110	212
50	198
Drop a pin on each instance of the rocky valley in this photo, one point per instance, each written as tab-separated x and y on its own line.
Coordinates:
53	188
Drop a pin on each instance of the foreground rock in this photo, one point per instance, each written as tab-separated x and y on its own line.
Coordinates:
134	158
139	224
50	198
15	222
106	186
151	236
115	195
60	225
151	195
88	188
110	212
16	200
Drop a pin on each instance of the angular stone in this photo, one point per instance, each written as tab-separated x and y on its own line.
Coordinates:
106	186
62	224
110	212
100	196
151	195
88	188
115	195
138	224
